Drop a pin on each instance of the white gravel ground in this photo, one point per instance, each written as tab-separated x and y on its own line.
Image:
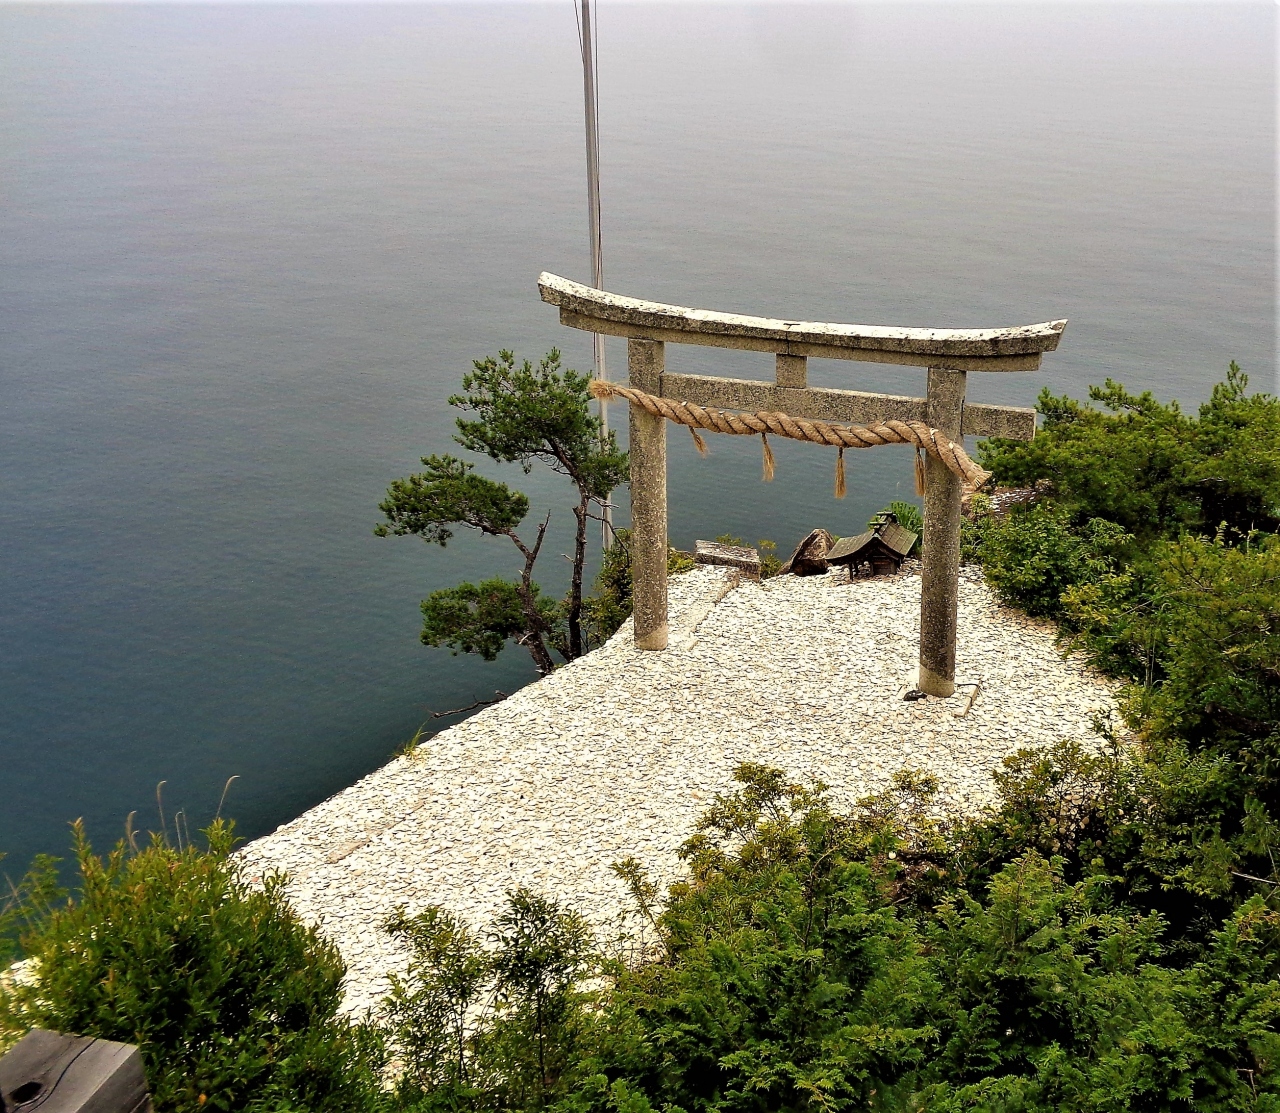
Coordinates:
616	754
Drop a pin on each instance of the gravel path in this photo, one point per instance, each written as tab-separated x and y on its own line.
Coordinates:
617	754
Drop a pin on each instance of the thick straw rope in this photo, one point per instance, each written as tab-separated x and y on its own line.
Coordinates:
763	422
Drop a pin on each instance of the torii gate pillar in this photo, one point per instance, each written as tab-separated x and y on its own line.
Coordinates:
939	584
645	360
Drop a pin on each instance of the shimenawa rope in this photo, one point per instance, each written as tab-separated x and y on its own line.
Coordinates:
763	422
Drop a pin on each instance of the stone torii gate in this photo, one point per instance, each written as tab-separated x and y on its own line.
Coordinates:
948	354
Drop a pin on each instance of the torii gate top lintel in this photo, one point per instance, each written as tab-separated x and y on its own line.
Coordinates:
1003	349
938	422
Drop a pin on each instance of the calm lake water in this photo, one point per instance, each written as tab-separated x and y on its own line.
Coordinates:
248	251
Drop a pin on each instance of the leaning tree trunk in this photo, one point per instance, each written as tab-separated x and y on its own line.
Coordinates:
535	627
575	588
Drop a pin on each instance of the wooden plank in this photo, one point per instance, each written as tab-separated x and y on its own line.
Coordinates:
73	1074
875	341
850	406
1029	362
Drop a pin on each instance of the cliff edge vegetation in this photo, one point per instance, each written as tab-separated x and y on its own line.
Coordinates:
1105	937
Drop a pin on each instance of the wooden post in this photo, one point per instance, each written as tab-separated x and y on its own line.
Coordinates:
645	360
72	1074
939	585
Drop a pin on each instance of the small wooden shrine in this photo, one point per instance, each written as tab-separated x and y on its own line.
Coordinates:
881	550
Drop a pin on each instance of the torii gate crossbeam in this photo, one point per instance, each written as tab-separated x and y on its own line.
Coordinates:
948	354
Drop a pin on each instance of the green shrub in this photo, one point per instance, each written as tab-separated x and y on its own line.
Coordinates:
1185	620
429	1011
24	905
609	604
1035	555
770	562
787	980
494	1028
679	562
1057	999
1216	611
1183	612
232	1000
541	953
1198	622
817	960
1150	468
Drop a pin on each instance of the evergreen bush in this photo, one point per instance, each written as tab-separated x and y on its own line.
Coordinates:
232	1000
1033	556
494	1027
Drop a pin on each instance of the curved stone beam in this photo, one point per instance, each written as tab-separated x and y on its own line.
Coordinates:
1002	349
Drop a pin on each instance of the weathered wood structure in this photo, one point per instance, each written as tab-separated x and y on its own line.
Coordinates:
882	549
947	354
810	556
72	1074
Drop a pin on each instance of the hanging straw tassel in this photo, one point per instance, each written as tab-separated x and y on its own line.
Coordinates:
919	474
768	458
698	442
840	487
